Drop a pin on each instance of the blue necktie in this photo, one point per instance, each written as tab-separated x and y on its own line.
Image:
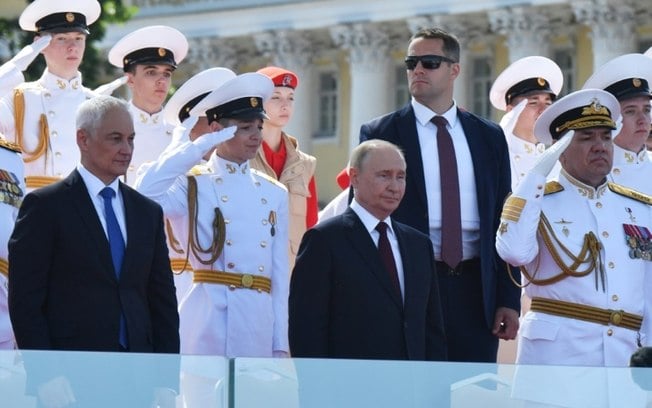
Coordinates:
117	244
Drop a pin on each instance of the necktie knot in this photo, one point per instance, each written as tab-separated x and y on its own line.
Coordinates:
439	121
382	227
107	193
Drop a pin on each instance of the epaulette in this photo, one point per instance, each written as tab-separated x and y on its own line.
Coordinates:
5	144
268	178
631	193
199	169
552	187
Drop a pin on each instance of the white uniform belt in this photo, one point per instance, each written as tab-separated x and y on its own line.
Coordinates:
592	314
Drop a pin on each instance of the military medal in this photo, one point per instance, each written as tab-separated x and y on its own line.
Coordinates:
272	222
10	191
639	241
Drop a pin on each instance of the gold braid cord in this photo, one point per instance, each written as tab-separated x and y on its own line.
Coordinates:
219	228
19	119
589	256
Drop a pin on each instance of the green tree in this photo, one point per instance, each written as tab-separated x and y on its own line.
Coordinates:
94	66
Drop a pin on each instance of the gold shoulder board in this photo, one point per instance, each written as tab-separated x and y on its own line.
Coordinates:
628	192
198	170
4	143
552	187
268	178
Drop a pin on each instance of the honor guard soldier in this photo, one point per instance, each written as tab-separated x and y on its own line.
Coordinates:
39	116
12	190
280	158
584	244
628	78
238	227
176	111
524	90
148	57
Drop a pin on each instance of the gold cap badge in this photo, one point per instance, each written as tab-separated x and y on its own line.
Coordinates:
541	81
636	82
253	102
162	52
70	17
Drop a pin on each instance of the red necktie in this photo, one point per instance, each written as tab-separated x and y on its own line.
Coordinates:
387	256
451	221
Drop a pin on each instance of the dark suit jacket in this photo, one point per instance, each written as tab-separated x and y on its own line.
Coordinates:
63	292
492	178
342	304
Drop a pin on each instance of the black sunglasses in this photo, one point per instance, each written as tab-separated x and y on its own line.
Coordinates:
427	61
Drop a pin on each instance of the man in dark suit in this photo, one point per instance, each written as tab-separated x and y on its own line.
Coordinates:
87	257
346	299
480	303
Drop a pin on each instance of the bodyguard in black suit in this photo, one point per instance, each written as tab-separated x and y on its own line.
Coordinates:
480	302
67	292
345	302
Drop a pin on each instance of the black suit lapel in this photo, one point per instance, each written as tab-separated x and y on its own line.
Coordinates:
361	241
408	139
479	156
86	210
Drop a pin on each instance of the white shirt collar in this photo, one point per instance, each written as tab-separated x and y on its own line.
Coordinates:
93	184
368	220
424	114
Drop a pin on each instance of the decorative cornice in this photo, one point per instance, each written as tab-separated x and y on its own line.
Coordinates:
368	45
286	48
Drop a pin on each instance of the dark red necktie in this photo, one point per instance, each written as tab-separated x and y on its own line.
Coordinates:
451	221
387	256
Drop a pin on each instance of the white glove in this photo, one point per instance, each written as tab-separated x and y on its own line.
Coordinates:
209	140
181	133
508	122
619	127
107	89
30	52
549	158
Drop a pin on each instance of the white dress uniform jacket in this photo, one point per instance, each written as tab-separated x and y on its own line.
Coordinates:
58	100
153	135
12	190
632	169
216	319
624	283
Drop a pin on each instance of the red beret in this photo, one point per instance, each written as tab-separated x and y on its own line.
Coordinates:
280	76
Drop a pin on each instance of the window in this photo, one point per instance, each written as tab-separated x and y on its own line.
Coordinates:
327	105
402	91
481	80
565	60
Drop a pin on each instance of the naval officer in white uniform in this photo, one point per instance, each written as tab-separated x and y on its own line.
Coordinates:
148	57
40	116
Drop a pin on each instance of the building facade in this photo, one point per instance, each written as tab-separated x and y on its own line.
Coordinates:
349	53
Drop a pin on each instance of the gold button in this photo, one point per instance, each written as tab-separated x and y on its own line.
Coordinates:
598	204
612	265
218	180
605	234
257	184
522	174
47	95
264	222
614	298
610	332
54	133
51	113
231	287
227	221
228	242
263	244
262	200
616	171
225	198
57	154
247	280
230	265
261	268
131	168
540	187
616	317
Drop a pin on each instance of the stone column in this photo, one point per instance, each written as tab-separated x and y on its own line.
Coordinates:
371	70
612	24
209	52
293	50
527	31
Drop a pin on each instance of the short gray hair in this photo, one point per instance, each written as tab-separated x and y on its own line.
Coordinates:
91	111
361	151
